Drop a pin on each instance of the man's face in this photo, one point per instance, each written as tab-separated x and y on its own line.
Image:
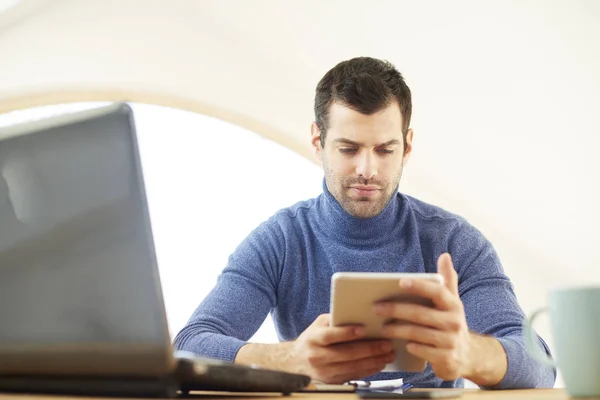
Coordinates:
363	157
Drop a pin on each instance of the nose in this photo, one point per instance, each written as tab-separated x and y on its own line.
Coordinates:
367	165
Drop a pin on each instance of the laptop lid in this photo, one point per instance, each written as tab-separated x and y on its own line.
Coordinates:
79	285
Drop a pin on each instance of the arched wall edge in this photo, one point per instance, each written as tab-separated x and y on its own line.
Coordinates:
38	98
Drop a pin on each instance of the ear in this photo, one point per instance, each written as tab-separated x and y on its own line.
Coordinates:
315	140
408	150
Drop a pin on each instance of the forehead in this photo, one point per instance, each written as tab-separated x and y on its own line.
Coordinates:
380	127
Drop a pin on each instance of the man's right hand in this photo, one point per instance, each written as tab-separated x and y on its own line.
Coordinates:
325	353
337	354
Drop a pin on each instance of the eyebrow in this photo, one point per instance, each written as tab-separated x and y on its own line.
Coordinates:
353	143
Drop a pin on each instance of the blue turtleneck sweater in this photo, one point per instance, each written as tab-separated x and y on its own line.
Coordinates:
285	266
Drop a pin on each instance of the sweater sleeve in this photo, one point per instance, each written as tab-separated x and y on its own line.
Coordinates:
244	294
492	308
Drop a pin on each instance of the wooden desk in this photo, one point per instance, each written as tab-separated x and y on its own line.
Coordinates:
468	394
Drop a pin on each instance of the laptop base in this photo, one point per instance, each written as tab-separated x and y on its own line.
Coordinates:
164	388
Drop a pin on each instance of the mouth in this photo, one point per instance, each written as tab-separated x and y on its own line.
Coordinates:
364	190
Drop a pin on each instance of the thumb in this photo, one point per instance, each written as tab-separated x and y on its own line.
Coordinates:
446	269
320	324
323	320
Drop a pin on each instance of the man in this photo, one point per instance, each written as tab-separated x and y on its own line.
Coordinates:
361	222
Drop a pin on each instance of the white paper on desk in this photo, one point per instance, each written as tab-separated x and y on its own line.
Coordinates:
389	384
316	386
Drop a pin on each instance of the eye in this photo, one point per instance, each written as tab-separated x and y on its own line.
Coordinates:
385	151
347	150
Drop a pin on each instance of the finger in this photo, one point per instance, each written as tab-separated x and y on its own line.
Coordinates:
321	333
420	334
446	269
426	352
439	359
358	350
322	320
421	315
440	295
345	352
346	371
336	334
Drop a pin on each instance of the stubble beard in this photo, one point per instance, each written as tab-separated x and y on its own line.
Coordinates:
362	207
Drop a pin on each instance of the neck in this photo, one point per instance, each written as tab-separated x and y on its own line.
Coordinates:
359	230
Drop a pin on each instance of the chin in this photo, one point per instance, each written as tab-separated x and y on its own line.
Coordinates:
365	212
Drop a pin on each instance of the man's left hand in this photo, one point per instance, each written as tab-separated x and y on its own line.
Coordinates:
439	335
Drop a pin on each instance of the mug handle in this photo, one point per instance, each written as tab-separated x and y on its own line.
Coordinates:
531	342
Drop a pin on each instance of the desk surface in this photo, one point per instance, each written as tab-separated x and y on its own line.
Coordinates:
468	394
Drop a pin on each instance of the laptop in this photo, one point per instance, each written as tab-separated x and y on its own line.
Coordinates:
81	305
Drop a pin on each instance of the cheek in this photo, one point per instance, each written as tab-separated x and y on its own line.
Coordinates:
390	169
338	165
393	164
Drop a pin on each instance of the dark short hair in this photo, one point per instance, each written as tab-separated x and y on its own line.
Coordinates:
366	85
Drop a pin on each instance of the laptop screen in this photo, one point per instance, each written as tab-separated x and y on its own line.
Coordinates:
77	263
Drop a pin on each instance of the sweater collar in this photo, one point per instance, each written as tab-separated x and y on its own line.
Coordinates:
359	230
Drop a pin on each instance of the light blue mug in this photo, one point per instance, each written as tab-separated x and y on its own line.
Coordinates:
575	326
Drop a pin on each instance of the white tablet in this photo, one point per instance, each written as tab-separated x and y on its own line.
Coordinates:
353	295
